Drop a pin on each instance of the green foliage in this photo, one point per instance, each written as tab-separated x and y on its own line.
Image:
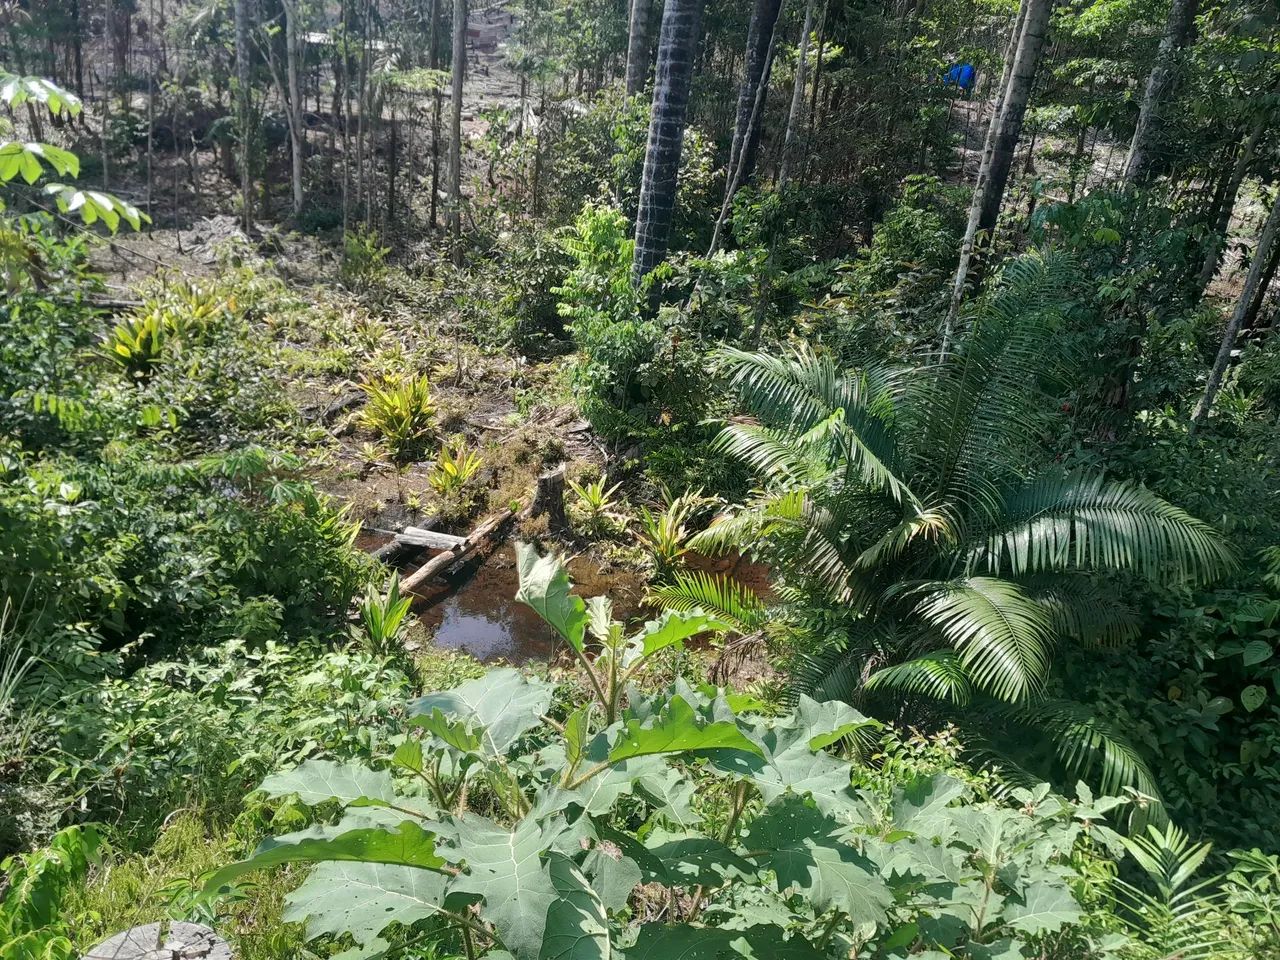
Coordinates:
495	830
35	885
363	258
454	468
545	587
594	499
28	160
382	617
665	534
909	524
400	411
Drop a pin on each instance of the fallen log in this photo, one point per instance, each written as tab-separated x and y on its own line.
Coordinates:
447	558
397	550
431	539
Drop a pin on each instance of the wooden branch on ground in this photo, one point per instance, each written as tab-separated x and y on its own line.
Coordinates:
432	539
468	545
396	550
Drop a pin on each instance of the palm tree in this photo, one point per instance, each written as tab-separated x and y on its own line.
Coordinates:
677	44
930	562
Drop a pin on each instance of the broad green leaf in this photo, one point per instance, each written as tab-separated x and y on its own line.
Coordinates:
505	868
921	805
787	761
613	874
545	586
660	941
1045	908
577	927
1252	697
577	731
1256	651
317	781
503	704
678	730
805	853
694	859
406	844
672	795
363	899
455	733
674	627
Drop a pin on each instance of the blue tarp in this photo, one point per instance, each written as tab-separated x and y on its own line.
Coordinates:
960	75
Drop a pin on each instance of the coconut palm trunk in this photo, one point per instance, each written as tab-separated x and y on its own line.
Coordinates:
1142	148
638	47
455	127
677	44
746	133
1252	283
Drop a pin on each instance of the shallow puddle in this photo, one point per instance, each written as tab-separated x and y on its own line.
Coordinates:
479	614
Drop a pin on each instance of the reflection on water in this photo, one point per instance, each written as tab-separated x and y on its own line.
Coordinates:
479	615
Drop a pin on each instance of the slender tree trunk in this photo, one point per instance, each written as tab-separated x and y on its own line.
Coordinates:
797	98
638	47
817	66
242	110
1250	321
746	137
737	173
455	127
1218	237
295	106
677	45
1182	17
1022	78
984	171
77	48
1252	283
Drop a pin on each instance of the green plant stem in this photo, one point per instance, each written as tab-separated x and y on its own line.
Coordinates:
829	930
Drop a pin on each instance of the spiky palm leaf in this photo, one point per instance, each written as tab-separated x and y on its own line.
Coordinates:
722	597
915	538
1181	919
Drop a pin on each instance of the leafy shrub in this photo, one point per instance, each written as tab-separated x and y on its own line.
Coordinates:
455	466
400	411
364	259
382	616
636	373
34	887
742	828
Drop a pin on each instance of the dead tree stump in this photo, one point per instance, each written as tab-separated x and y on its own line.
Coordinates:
163	941
550	499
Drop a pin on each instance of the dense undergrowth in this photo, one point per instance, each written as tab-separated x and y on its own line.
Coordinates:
959	638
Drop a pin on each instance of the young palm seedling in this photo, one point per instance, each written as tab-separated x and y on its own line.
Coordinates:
399	411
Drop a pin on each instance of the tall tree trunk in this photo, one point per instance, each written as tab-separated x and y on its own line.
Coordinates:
1252	283
242	109
455	127
797	98
677	45
638	47
1218	237
77	48
1022	78
1182	17
984	172
294	107
746	136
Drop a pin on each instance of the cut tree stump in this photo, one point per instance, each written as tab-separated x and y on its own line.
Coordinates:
163	941
550	499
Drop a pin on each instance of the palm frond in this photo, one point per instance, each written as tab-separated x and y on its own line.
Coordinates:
939	675
1083	608
760	518
1088	746
1002	636
1084	521
1181	920
723	597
